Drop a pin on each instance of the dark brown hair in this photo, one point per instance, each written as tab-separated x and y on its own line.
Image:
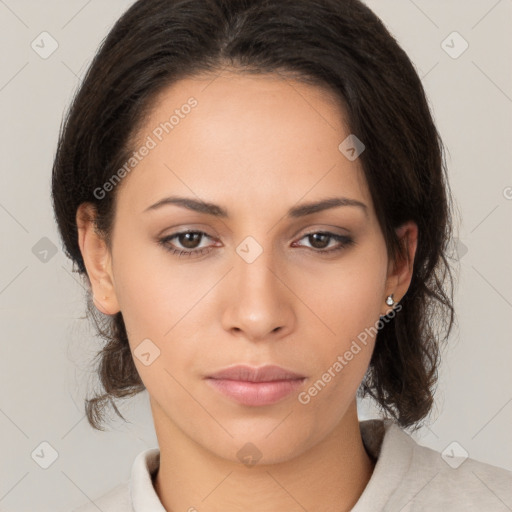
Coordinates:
338	44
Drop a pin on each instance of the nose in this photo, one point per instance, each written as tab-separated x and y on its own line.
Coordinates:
259	305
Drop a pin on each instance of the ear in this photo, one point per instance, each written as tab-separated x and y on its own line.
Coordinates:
97	260
400	271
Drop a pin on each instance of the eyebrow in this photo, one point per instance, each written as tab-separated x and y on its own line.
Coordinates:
294	212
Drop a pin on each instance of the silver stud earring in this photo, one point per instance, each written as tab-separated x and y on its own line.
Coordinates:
390	301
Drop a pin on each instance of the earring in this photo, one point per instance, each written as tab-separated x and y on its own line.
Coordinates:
390	301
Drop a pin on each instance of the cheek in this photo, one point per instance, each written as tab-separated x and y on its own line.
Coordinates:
342	359
349	301
348	297
150	288
159	300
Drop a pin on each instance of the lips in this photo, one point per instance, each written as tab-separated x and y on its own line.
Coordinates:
251	386
245	373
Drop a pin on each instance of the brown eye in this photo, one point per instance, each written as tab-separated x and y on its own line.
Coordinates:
185	243
319	241
190	239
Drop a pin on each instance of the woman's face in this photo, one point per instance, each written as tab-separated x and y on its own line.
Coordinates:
254	286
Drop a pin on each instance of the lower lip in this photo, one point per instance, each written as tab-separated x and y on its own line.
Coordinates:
255	393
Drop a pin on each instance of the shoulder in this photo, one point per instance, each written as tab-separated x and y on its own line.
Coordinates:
116	500
137	493
429	480
460	483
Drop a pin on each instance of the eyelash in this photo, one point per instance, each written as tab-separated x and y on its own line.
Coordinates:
344	241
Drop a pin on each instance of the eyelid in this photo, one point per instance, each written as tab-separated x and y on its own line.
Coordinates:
342	242
325	228
177	229
321	228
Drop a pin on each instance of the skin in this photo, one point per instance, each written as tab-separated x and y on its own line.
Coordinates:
257	146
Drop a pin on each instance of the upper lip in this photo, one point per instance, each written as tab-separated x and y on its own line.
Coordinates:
267	373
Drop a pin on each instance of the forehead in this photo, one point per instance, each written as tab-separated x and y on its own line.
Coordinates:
253	137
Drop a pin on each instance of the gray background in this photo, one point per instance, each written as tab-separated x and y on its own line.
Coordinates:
47	346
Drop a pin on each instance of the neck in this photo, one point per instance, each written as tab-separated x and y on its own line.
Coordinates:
329	477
